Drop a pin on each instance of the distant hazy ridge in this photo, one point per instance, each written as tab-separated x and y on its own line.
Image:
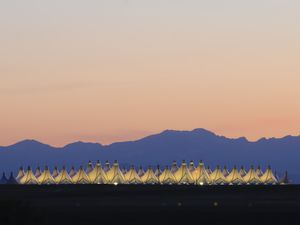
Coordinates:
281	153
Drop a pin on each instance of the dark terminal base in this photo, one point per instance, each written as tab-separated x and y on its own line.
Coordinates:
146	204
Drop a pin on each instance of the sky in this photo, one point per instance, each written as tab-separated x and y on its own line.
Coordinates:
107	71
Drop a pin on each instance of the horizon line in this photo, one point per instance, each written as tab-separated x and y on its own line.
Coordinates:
153	134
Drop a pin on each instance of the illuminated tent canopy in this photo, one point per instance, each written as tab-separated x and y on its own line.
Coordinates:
29	178
124	170
251	177
167	177
81	177
141	171
191	166
149	177
174	167
46	177
243	172
208	170
183	175
72	172
97	175
55	172
115	175
106	167
174	175
234	177
21	174
259	171
158	171
131	176
200	175
225	171
268	177
63	177
38	172
89	167
217	177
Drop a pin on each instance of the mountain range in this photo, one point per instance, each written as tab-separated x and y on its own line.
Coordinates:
199	144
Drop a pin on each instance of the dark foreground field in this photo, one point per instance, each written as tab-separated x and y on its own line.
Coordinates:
133	204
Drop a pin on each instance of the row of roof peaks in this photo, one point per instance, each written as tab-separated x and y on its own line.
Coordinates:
183	174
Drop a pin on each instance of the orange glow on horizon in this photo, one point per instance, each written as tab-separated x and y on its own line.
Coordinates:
106	72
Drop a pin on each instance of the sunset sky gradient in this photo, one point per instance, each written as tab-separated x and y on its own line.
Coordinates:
106	71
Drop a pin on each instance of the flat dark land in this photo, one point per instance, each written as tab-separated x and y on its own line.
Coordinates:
147	204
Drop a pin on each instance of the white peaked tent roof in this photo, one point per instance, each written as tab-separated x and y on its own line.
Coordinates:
89	167
217	177
29	177
174	167
3	179
157	171
115	175
208	170
187	173
243	172
106	167
149	177
251	177
234	177
276	176
259	172
63	177
167	177
141	171
46	177
72	172
225	171
81	177
192	166
11	179
183	175
38	172
21	174
285	179
97	175
55	172
268	177
131	177
200	175
124	170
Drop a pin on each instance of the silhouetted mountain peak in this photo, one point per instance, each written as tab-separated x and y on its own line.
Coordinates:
288	138
82	145
175	137
263	139
29	143
242	139
281	153
202	131
198	131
